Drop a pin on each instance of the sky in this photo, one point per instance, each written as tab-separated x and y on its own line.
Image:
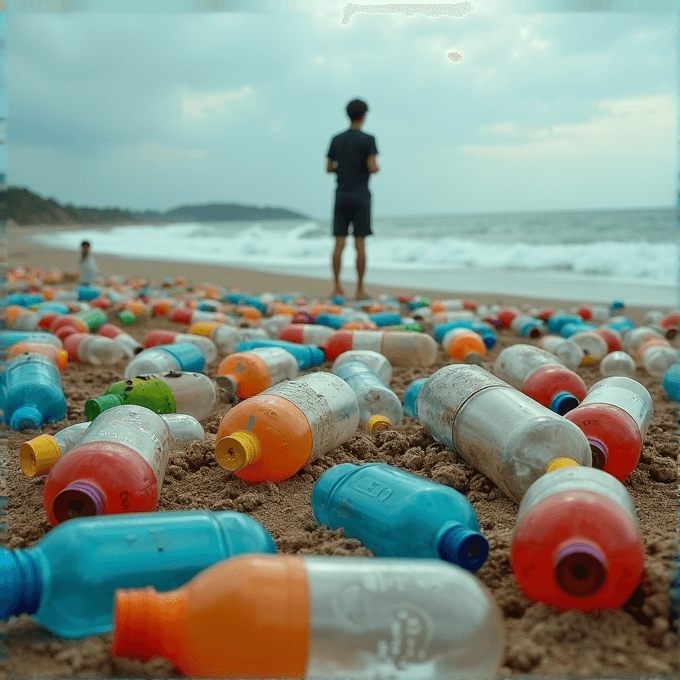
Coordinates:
559	110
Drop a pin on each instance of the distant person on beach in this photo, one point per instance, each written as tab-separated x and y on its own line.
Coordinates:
351	157
89	272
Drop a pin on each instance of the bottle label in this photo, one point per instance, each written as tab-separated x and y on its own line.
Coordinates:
637	407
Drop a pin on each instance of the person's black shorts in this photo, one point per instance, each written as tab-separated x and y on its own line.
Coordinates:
358	213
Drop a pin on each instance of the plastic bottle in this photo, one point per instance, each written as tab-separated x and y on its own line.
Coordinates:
188	316
165	358
634	337
411	397
305	333
615	416
33	394
67	581
401	349
617	363
307	356
374	360
567	351
501	432
541	376
9	338
465	345
95	350
483	329
273	325
611	337
60	443
671	382
657	359
527	326
379	406
125	340
118	465
59	357
576	543
288	616
205	345
593	346
246	374
396	514
225	337
274	434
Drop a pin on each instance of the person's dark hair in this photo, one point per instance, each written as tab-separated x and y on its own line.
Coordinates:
356	109
85	243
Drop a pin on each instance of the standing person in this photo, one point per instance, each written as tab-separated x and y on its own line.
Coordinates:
89	272
351	157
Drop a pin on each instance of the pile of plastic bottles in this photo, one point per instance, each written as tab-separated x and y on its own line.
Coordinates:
189	586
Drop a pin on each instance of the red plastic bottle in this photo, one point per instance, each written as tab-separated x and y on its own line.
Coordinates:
576	543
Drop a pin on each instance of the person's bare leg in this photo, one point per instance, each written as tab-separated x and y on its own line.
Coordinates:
337	262
360	245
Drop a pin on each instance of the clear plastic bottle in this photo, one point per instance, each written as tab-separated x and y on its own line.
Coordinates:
658	358
379	406
568	352
397	514
95	350
322	618
205	345
226	337
130	346
305	333
164	358
272	325
118	464
618	363
32	392
374	360
615	416
274	434
307	356
67	581
594	347
576	543
541	376
246	374
634	337
60	444
465	345
501	432
400	348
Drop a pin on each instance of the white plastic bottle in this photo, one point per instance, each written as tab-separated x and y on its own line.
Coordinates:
618	363
593	346
568	352
657	359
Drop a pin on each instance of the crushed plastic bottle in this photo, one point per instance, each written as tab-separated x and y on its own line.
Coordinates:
576	543
67	581
274	434
320	618
396	514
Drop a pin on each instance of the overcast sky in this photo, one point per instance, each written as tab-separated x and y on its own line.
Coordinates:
545	111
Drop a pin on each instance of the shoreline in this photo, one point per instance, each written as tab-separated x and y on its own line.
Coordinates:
315	282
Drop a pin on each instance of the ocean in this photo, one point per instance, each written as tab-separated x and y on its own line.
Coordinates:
593	256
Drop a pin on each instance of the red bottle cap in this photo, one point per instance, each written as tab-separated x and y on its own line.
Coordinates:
108	330
71	344
159	337
182	315
338	343
65	331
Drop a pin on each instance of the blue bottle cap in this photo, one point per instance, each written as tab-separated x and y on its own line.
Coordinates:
563	402
20	584
411	397
190	358
323	489
316	356
462	546
26	418
671	382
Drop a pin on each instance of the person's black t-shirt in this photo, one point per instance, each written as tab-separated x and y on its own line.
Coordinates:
351	149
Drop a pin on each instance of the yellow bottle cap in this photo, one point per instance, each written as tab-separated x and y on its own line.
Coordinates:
204	328
558	463
378	423
237	451
39	455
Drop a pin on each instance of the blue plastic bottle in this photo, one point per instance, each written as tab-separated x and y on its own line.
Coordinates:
572	327
381	319
87	293
183	357
488	336
68	580
331	320
671	382
307	355
396	514
411	397
9	338
32	392
556	321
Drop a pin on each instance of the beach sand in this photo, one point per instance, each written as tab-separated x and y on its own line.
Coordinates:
540	642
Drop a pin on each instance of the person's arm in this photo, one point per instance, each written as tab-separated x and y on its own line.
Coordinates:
372	164
330	165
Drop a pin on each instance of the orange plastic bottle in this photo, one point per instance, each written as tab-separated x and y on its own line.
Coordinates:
576	543
273	435
59	357
464	345
337	618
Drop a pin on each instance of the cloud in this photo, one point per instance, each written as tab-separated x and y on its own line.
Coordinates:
196	106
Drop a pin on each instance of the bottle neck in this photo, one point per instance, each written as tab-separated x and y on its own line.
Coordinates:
21	582
458	544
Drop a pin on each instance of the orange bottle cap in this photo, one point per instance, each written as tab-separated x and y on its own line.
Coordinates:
237	451
39	455
558	463
62	359
378	423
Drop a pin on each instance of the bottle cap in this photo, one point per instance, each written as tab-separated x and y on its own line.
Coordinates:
378	423
580	568
204	328
127	317
228	387
598	450
26	418
463	546
558	463
93	407
316	356
39	455
79	499
61	359
237	451
563	402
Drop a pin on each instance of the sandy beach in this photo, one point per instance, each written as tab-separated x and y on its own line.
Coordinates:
540	642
